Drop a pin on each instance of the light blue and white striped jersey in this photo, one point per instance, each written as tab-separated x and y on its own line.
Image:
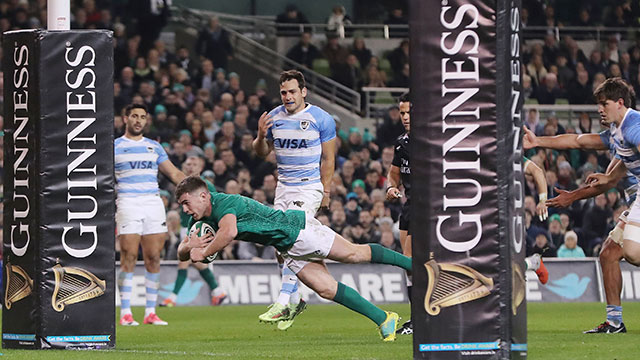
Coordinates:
136	166
629	183
626	138
297	141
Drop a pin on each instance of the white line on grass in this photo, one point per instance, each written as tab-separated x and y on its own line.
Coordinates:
162	352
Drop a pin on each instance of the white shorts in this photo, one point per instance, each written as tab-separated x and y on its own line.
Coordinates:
141	215
632	229
313	243
304	197
617	233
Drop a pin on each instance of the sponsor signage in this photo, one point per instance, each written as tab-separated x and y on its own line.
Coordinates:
468	264
247	282
60	264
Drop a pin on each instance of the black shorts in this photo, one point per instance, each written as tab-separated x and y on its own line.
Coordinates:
405	217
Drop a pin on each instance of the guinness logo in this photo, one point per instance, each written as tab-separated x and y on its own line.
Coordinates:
304	125
518	287
452	284
74	285
19	285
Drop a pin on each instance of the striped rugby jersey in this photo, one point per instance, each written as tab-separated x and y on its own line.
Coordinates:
629	183
297	142
136	166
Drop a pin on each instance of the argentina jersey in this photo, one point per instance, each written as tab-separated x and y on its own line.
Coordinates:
297	141
629	183
136	166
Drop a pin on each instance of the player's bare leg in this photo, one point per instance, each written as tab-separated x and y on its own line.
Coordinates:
316	276
347	252
129	244
152	245
610	257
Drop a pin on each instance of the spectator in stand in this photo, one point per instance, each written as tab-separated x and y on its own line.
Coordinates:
185	62
304	52
570	248
595	64
220	86
598	79
206	76
338	220
269	184
402	79
619	16
548	92
338	21
291	15
536	70
399	57
550	50
555	230
197	131
397	17
543	246
127	86
580	90
373	76
336	54
565	73
234	84
625	67
150	16
348	74
573	53
612	52
213	43
361	52
550	16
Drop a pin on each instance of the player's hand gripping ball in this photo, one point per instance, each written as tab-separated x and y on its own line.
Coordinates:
201	228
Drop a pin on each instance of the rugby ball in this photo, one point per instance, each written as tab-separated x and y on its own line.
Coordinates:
201	228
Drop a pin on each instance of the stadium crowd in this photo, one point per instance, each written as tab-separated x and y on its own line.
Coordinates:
199	108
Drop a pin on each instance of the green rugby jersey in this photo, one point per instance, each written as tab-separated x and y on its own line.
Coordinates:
257	223
184	218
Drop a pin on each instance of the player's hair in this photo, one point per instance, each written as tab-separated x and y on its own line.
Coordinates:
406	97
292	75
613	89
130	107
189	185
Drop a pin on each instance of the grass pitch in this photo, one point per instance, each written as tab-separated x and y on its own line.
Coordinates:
333	332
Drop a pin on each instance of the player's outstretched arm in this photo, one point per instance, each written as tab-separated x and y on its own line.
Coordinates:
227	231
261	145
563	142
172	172
616	170
541	184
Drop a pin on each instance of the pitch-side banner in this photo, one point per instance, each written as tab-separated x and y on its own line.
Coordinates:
74	203
21	109
468	268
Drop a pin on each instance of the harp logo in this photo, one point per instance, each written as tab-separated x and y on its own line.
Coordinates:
452	284
18	286
74	285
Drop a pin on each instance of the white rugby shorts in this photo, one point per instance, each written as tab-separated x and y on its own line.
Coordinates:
141	215
632	229
304	197
313	243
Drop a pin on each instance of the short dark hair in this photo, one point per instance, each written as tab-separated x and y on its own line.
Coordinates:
189	185
292	75
130	107
613	89
406	97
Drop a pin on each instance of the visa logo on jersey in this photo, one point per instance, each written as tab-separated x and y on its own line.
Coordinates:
141	164
291	143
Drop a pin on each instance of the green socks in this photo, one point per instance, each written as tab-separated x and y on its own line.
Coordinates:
350	298
207	275
182	277
382	255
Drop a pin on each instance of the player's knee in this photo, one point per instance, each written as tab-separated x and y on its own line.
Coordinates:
610	253
632	258
326	292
